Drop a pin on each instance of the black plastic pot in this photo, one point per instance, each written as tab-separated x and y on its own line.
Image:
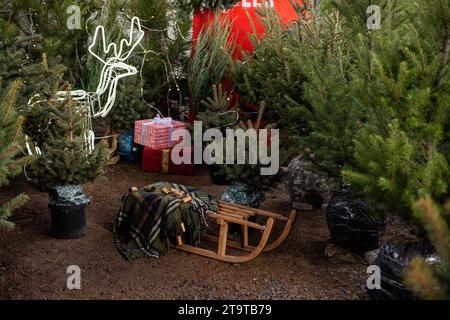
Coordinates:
352	223
393	259
67	206
68	222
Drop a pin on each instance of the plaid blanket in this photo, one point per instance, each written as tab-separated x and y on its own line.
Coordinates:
149	220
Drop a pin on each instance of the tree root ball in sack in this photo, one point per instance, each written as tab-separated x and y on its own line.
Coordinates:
243	194
353	223
308	188
393	260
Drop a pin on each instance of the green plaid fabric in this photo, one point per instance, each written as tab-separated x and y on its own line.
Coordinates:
149	220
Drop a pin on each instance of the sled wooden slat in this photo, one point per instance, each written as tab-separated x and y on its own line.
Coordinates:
234	212
251	211
244	238
223	239
237	214
230	243
241	222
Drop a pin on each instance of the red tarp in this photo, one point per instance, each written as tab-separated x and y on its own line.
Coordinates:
242	25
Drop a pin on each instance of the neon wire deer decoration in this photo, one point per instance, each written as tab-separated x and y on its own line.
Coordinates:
114	69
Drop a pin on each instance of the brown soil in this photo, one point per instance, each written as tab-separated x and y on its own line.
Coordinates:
33	265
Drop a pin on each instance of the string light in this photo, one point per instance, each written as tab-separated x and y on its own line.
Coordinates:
91	101
109	76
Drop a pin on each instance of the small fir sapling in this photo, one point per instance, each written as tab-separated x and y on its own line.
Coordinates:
65	158
11	147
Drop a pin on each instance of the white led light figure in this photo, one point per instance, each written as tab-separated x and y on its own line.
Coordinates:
114	69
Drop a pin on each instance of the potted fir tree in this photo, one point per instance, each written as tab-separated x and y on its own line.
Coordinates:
218	114
247	183
64	164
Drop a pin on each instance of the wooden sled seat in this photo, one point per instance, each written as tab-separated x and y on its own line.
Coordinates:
237	214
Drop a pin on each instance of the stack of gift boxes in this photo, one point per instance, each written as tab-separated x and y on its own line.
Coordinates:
156	137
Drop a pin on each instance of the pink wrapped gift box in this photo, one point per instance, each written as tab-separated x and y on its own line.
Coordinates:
156	133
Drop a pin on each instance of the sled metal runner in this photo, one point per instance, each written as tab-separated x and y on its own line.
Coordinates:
237	214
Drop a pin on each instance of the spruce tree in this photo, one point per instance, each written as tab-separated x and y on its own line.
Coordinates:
333	50
402	152
17	61
38	118
218	112
48	20
211	60
11	159
129	106
248	173
270	73
65	157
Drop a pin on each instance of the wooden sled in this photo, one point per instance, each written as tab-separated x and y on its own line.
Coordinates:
237	214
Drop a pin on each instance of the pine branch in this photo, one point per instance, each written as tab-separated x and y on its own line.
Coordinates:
431	282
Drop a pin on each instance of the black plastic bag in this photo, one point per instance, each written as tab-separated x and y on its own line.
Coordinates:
352	223
243	194
393	259
70	195
128	149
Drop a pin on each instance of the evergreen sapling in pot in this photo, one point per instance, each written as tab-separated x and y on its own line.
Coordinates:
64	164
218	115
247	182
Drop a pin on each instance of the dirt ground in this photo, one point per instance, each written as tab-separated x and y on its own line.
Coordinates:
33	265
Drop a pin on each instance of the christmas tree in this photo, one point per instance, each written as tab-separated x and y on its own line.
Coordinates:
11	160
129	106
211	60
62	29
270	73
432	282
248	173
66	158
16	62
218	112
161	59
333	51
329	119
370	100
402	151
157	65
38	119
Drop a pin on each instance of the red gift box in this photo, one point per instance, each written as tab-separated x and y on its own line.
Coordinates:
156	133
160	161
